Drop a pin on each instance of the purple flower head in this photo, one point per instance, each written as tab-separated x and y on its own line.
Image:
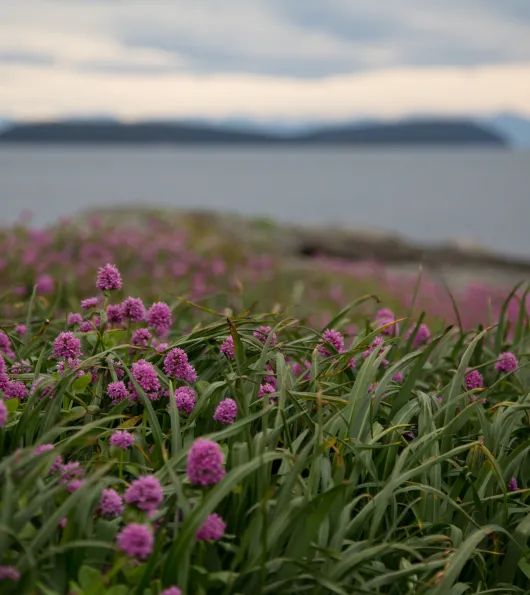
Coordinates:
22	367
145	492
111	503
299	371
398	377
160	347
141	337
122	439
205	463
69	364
21	329
70	471
136	540
63	522
88	303
423	334
171	591
176	365
42	448
266	389
227	347
133	309
5	346
117	391
331	337
159	318
146	376
389	331
385	313
114	313
9	573
57	465
185	399
16	390
512	485
262	334
271	377
507	362
109	278
4	414
87	326
74	318
473	379
226	411
45	284
375	343
74	485
212	529
66	345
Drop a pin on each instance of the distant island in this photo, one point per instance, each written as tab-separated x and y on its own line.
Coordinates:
420	132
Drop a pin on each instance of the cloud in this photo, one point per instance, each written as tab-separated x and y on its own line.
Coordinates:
35	45
33	92
265	58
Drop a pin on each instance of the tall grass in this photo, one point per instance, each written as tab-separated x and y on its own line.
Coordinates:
371	469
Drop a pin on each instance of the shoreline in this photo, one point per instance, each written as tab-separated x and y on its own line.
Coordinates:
301	244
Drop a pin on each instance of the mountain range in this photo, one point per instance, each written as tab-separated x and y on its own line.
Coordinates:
501	130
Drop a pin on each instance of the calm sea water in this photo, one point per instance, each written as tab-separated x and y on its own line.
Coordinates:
428	195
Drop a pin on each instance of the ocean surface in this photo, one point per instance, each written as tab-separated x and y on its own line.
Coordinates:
478	196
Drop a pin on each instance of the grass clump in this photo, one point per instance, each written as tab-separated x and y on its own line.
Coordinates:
253	454
162	445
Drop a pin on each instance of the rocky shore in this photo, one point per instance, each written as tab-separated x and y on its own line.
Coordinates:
452	262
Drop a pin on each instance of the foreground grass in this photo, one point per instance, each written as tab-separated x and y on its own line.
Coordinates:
368	461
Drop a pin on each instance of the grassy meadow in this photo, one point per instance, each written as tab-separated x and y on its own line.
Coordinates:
186	412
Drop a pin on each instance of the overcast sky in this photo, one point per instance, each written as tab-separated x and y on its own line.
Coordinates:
263	59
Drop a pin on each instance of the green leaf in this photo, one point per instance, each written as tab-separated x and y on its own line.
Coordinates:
12	405
82	382
90	579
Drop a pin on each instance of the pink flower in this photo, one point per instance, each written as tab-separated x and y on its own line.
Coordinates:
117	391
266	389
66	345
205	463
176	364
423	334
111	503
333	338
4	414
9	573
227	347
109	278
42	448
114	313
262	334
133	309
146	376
226	411
16	390
474	379
121	439
506	363
74	485
20	329
88	303
145	492
159	318
136	540
212	529
141	337
185	399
